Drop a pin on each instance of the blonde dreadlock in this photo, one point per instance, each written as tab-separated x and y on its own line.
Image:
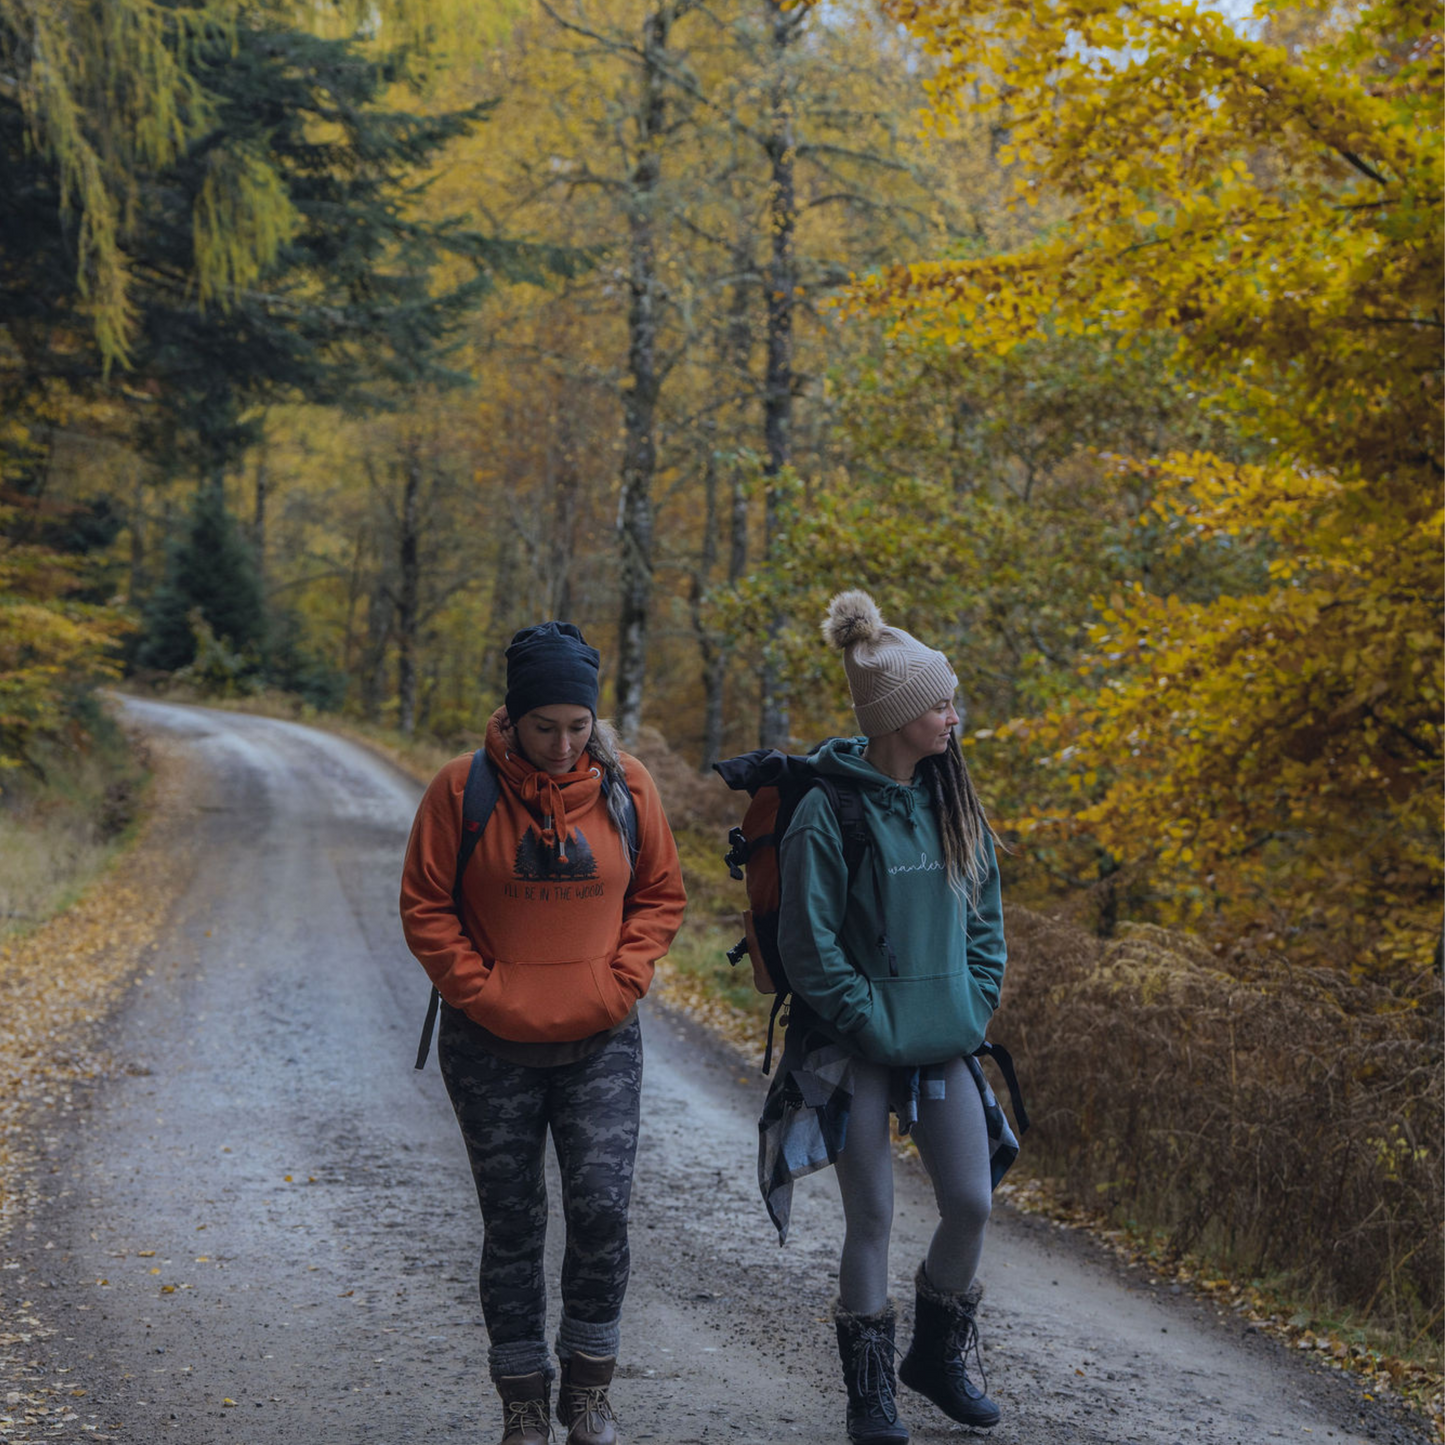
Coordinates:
961	820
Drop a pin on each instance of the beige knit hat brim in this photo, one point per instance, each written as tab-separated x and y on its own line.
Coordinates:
930	680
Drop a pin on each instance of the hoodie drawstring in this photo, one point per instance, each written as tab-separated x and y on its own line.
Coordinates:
534	787
901	799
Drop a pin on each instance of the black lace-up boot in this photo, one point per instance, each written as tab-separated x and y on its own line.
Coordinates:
582	1403
525	1408
945	1333
865	1345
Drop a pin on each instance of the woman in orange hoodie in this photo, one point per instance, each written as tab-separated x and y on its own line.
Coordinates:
540	960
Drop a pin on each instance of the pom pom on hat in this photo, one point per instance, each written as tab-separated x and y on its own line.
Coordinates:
852	617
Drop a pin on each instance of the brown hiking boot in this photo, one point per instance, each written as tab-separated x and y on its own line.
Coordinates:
582	1403
525	1407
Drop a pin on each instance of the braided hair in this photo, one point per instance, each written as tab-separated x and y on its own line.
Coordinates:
602	748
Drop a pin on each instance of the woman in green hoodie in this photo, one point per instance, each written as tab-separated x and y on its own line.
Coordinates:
895	972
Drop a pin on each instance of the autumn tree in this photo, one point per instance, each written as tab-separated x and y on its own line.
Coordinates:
814	178
429	534
53	641
1274	750
112	93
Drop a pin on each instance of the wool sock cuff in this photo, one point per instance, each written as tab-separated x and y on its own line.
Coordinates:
583	1337
519	1357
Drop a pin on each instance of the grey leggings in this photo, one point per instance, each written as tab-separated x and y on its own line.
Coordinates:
952	1140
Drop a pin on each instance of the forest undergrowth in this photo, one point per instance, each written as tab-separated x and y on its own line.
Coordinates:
64	816
82	904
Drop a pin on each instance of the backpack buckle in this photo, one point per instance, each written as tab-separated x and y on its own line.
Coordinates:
737	854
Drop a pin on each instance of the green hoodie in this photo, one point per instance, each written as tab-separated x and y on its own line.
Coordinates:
933	999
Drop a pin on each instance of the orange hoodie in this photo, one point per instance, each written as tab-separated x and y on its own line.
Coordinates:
556	940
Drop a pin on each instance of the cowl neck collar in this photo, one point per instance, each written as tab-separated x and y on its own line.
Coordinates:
556	800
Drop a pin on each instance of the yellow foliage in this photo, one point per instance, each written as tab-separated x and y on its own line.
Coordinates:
243	216
1276	208
47	641
108	91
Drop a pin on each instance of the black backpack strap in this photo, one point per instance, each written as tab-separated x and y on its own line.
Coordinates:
478	799
1005	1062
778	1001
847	803
433	1004
847	806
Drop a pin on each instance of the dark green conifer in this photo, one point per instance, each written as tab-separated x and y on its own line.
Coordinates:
211	570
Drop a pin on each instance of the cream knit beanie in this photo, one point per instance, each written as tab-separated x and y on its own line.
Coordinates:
892	676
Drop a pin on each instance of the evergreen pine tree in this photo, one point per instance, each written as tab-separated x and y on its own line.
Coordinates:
530	862
211	569
349	311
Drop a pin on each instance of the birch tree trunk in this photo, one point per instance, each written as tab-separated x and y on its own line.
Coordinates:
635	512
781	294
408	588
734	354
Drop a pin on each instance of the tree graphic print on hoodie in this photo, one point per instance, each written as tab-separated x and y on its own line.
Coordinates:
536	860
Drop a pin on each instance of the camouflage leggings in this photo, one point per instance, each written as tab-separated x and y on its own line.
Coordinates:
504	1110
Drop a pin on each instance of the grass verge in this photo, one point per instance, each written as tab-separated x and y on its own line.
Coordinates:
64	820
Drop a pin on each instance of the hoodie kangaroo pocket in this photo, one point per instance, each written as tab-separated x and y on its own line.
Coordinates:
532	1002
923	1020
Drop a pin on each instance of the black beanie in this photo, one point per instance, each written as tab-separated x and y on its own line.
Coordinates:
548	664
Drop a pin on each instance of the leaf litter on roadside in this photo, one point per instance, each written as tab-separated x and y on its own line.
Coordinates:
58	983
1261	1309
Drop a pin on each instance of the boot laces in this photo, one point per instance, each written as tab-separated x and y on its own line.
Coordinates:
521	1415
873	1372
590	1405
965	1343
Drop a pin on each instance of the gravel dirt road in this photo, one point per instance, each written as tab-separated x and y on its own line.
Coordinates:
259	1229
